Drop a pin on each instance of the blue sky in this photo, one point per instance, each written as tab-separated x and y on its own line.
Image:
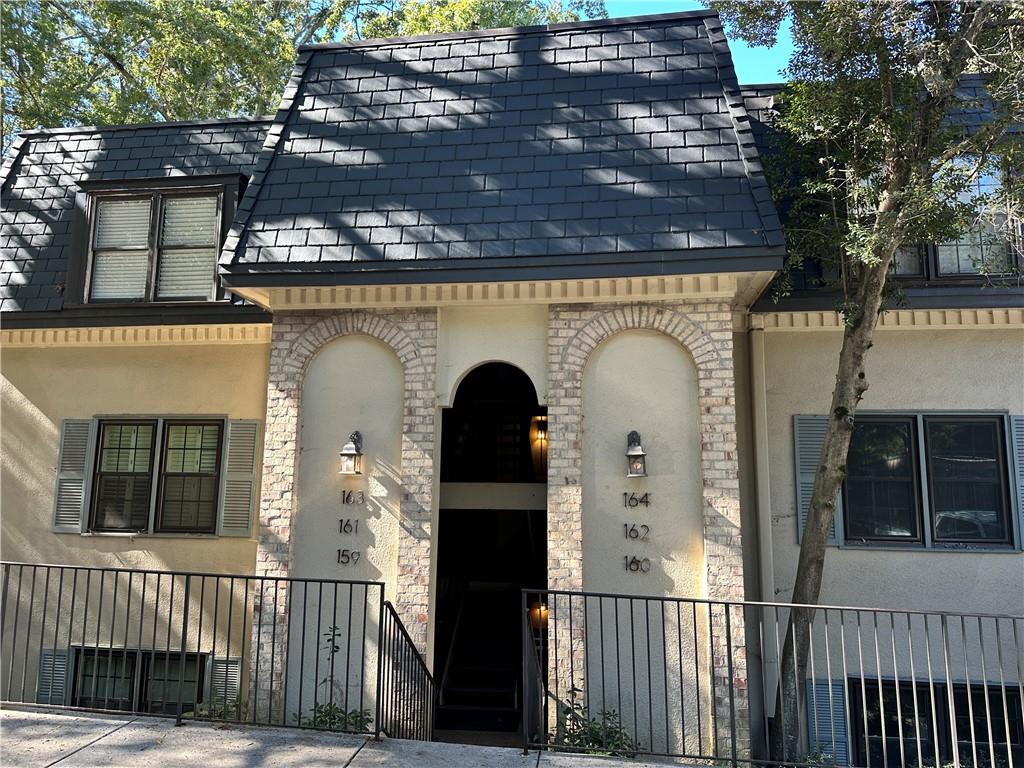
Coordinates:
753	65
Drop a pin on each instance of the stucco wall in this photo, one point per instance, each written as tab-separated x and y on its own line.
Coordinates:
353	382
42	386
912	371
471	336
645	381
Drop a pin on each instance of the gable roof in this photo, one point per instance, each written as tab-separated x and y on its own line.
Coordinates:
604	148
43	169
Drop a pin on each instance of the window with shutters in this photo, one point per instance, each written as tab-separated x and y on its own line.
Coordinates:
158	475
155	246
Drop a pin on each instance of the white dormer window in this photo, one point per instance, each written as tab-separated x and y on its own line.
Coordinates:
155	246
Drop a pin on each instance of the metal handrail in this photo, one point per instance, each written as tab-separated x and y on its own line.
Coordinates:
664	676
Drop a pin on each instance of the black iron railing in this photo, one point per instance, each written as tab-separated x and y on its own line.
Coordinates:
407	689
308	653
699	679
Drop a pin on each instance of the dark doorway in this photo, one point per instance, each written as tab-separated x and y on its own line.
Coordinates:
492	534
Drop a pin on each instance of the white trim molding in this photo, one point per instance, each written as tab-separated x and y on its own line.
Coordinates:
892	320
138	335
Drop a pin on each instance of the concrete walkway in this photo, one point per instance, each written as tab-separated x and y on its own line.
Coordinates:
32	738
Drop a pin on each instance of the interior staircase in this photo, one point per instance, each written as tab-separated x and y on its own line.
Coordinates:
480	687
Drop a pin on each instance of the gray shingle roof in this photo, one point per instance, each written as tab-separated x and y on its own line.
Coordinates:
43	169
599	143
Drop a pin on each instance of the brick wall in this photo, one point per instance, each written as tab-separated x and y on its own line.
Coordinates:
412	335
705	331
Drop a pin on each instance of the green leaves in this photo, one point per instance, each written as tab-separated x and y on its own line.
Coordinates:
70	62
897	118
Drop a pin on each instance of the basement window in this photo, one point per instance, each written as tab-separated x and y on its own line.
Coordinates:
154	245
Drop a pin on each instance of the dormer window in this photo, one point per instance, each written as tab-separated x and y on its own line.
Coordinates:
155	246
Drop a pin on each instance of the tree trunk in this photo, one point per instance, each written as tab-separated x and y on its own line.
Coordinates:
851	383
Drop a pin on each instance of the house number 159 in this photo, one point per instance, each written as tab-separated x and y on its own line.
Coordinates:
348	556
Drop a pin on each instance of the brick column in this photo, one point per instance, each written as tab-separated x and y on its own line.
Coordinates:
412	335
705	331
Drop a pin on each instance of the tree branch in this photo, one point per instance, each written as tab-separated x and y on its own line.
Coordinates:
161	109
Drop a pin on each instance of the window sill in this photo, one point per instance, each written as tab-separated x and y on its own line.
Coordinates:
995	549
147	535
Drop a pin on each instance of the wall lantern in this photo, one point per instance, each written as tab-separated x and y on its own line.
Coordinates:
542	428
352	455
636	459
539	615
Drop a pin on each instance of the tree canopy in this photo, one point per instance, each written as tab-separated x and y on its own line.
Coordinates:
901	124
95	62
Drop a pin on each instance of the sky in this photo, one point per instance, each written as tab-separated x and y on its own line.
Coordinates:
753	65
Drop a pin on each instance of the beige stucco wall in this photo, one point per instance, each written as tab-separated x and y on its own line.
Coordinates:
908	370
44	385
645	381
353	382
471	336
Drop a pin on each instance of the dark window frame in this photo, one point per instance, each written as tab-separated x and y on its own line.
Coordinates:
142	662
856	703
158	525
1003	472
919	510
924	483
156	196
98	472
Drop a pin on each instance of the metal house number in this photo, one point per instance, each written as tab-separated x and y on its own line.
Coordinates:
637	532
349	526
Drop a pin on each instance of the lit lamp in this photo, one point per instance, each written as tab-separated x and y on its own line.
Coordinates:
351	455
542	429
538	616
636	459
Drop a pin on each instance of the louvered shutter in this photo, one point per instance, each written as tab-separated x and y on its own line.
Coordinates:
188	248
827	733
238	490
224	688
808	438
71	495
51	687
1017	462
120	261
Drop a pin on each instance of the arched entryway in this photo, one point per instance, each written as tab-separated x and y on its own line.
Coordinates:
491	544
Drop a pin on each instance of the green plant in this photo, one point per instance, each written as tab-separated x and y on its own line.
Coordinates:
331	717
328	715
221	709
603	734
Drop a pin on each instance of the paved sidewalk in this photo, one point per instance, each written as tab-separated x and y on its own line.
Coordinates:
39	739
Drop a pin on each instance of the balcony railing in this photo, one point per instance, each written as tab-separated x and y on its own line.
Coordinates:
307	653
699	679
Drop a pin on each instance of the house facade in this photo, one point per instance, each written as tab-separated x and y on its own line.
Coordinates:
519	281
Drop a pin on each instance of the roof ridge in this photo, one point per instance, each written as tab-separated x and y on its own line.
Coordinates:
271	145
31	132
511	31
749	155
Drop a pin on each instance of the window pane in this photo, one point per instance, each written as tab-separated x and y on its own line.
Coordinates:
189	221
907	261
881	495
965	464
191	479
186	273
122	502
124	481
119	275
122	223
167	680
913	715
983	248
105	679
